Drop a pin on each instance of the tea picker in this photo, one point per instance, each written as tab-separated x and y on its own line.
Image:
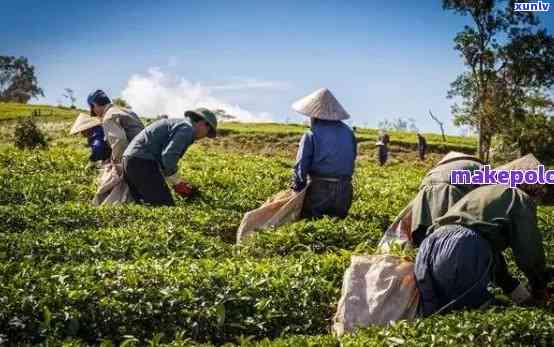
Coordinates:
150	161
120	125
463	250
91	129
421	146
436	194
326	157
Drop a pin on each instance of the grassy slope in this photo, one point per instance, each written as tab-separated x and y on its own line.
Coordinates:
257	131
12	111
406	140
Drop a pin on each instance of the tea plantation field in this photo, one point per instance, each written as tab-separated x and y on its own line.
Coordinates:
75	275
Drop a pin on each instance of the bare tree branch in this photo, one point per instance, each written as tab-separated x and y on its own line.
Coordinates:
441	125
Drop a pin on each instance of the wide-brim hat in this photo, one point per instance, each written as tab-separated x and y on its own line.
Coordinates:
84	122
205	115
530	162
453	156
321	104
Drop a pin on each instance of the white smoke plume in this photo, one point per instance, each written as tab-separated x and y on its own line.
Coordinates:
156	93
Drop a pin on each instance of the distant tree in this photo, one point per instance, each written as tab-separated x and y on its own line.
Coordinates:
121	103
440	123
529	130
398	124
18	82
222	114
506	56
70	94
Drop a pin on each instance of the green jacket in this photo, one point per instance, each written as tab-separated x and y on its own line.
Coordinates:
436	195
505	217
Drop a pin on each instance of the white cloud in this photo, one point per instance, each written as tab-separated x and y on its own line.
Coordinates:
156	93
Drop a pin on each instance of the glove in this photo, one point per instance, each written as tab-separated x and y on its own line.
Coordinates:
520	294
183	189
539	297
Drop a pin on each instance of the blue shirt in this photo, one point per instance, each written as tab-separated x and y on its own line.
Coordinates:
328	150
100	150
164	141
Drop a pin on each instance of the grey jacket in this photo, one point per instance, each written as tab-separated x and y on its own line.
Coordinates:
164	141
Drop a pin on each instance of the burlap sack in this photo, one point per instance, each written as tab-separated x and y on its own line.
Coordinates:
284	207
376	290
112	188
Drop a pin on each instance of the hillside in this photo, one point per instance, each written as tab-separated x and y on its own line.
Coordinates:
13	111
77	275
257	137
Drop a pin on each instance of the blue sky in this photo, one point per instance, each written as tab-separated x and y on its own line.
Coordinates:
254	58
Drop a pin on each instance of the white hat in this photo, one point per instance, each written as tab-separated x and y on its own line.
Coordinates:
453	156
321	104
84	122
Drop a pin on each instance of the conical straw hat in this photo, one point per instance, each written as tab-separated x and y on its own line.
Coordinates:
452	156
321	104
527	162
84	122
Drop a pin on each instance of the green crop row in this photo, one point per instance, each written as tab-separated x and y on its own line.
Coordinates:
211	299
78	275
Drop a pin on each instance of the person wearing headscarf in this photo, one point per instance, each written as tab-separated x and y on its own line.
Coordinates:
326	157
120	125
462	253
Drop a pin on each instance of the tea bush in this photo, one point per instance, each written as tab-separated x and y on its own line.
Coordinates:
76	275
28	135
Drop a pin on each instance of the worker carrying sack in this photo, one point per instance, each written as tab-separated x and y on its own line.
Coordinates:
376	290
284	207
112	188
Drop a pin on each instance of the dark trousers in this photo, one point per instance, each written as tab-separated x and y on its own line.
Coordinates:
422	152
327	198
383	154
146	182
453	264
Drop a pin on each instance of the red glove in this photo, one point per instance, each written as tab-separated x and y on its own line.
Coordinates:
183	189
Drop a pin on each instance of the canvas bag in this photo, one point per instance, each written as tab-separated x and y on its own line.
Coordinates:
112	188
284	207
376	290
